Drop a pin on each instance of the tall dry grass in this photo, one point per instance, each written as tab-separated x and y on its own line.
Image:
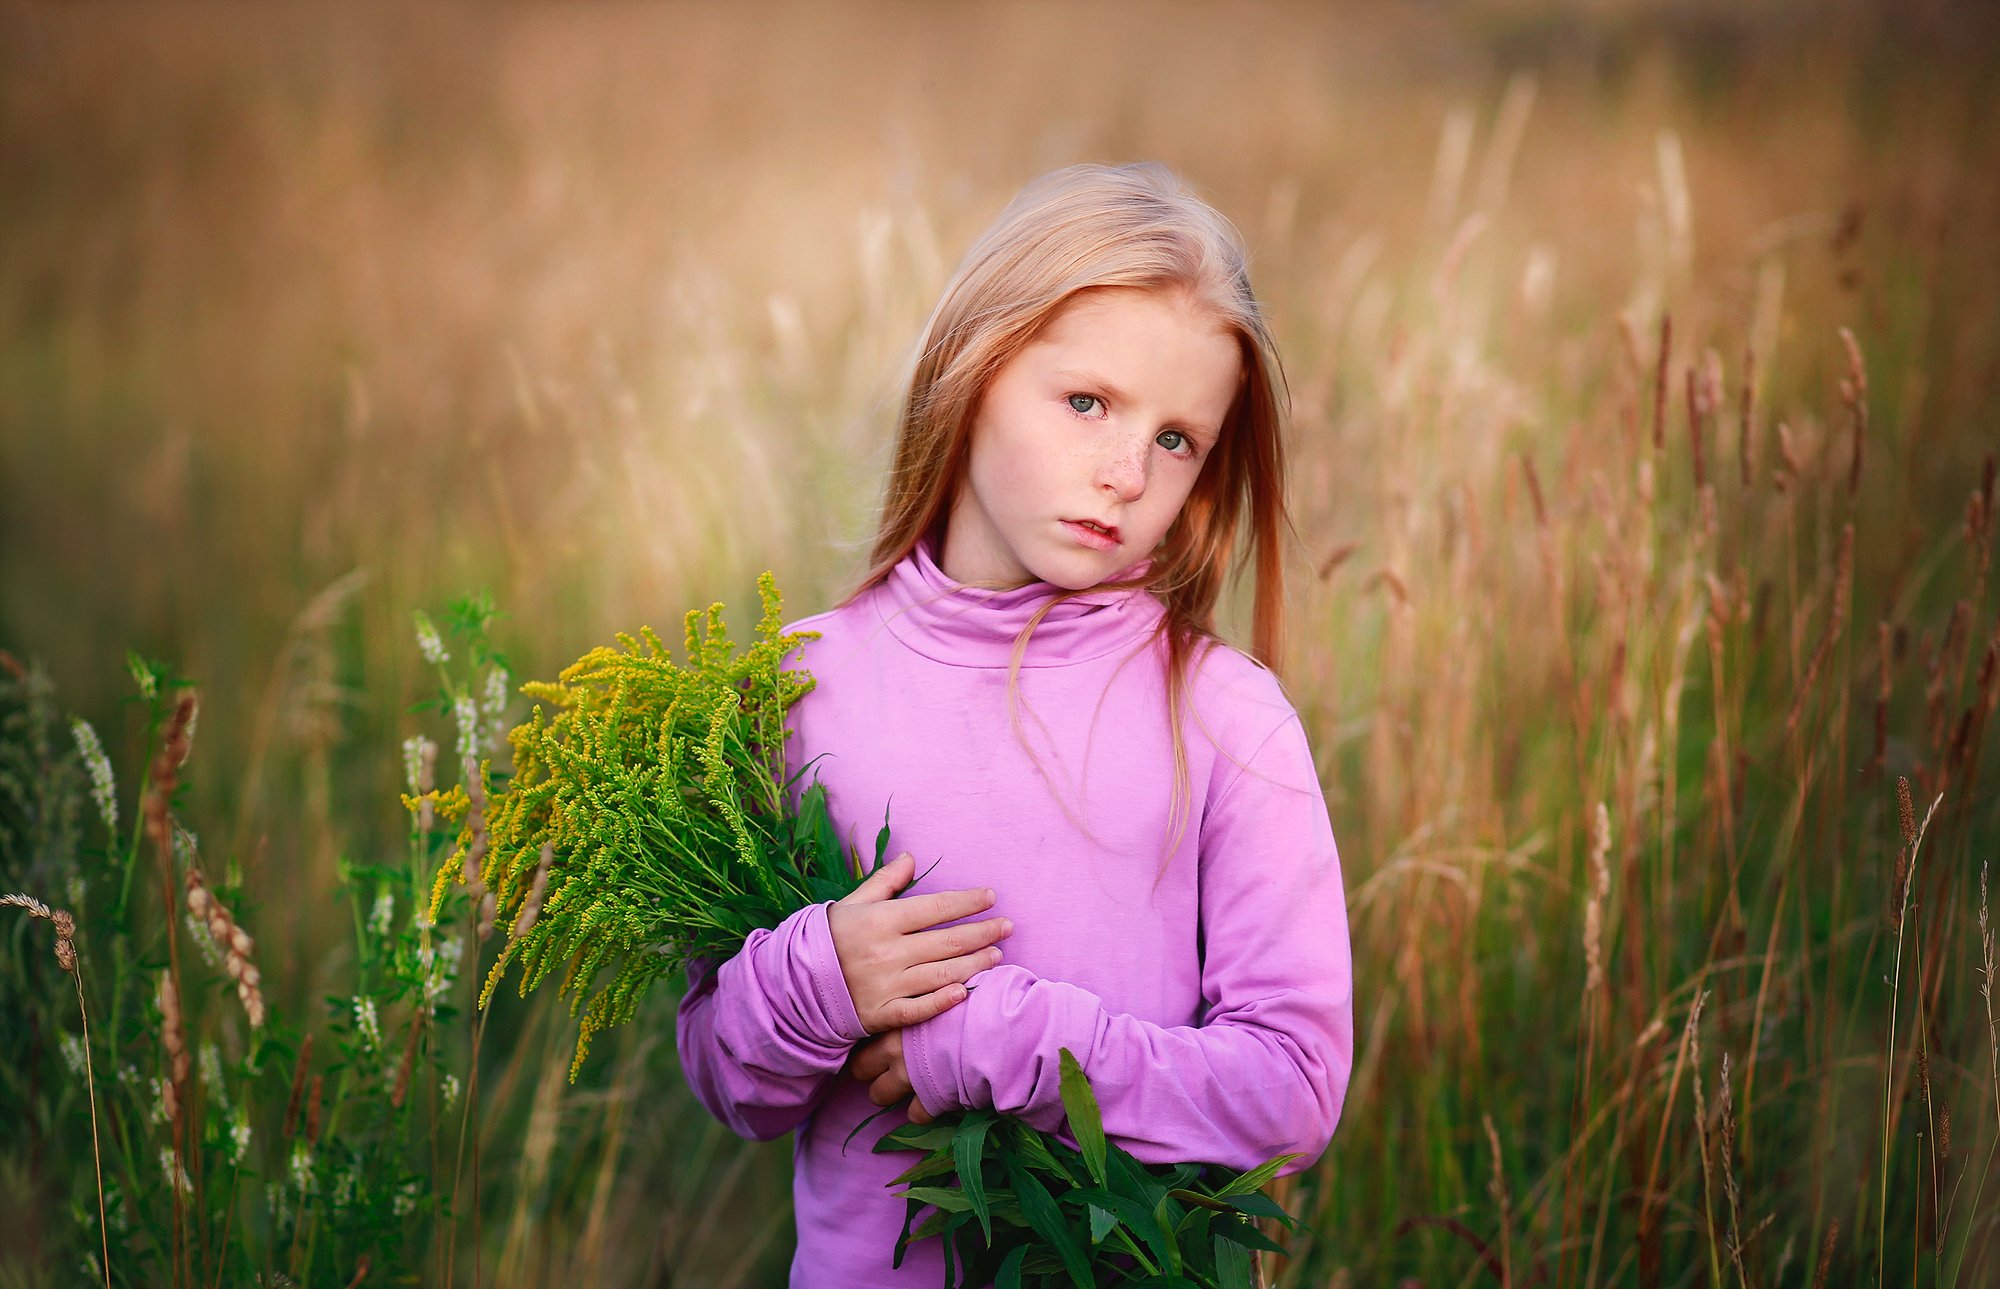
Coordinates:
1643	363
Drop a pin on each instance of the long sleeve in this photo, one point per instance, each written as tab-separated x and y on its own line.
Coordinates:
1265	1072
761	1035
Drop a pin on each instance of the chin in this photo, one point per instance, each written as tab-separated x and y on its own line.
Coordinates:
1076	575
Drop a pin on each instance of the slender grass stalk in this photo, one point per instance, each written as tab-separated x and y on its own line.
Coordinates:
1915	842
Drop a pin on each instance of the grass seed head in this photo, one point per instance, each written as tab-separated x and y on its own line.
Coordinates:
64	924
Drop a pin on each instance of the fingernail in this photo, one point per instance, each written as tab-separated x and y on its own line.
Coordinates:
989	895
1006	926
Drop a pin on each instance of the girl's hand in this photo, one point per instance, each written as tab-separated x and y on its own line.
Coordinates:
879	1063
897	972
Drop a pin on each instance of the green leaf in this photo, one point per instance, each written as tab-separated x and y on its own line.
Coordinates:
948	1198
1085	1121
935	1164
1229	1228
863	1124
968	1148
1101	1223
1010	1270
1130	1177
882	840
1258	1204
1257	1178
1138	1219
1232	1264
1047	1221
1199	1200
918	1136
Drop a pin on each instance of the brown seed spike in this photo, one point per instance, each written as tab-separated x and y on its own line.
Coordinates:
1906	811
1535	492
402	1088
298	1084
312	1112
1694	410
1745	442
1826	1255
165	773
1854	390
1660	382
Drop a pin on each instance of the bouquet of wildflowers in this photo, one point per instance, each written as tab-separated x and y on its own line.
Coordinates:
646	823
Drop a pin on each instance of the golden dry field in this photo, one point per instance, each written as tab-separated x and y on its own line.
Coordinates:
1645	378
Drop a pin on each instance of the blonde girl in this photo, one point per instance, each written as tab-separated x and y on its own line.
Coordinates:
1127	852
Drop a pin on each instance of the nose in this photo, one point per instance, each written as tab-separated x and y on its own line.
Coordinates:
1122	471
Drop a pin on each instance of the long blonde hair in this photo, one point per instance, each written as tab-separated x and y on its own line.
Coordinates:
1077	229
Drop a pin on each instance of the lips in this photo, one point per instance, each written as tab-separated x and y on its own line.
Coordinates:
1097	536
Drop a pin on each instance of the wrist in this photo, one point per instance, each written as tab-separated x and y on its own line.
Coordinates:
828	1000
930	1057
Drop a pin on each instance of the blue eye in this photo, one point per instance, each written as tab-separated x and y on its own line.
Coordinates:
1179	440
1074	399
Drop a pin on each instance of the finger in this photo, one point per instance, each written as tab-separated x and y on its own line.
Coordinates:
927	977
884	882
918	1114
869	1061
888	1090
920	911
904	1012
954	941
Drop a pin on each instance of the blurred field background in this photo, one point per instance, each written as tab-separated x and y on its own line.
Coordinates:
313	316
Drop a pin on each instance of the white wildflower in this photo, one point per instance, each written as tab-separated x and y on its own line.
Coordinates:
204	940
413	762
405	1202
450	1090
72	1053
274	1197
428	640
495	701
186	846
209	1058
156	1107
239	1135
495	707
91	1269
366	1024
343	1188
383	913
442	968
103	788
169	1170
302	1167
466	713
73	886
114	1208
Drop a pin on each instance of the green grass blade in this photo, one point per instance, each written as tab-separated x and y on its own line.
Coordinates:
1085	1120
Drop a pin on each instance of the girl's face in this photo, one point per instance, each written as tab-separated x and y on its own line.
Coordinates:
1087	443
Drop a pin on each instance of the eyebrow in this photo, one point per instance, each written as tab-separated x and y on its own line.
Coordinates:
1091	378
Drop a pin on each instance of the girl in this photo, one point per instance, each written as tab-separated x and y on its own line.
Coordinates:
1028	672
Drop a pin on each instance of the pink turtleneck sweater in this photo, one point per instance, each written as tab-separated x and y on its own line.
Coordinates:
1204	985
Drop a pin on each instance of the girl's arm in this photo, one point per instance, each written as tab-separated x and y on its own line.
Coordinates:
761	1036
1267	1071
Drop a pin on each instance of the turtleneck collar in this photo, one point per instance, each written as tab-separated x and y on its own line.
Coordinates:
969	626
